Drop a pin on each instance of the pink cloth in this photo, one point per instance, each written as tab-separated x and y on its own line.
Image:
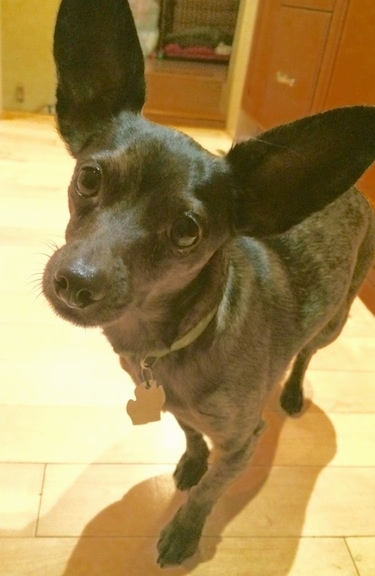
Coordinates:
196	52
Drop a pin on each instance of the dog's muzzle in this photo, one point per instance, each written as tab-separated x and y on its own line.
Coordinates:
79	285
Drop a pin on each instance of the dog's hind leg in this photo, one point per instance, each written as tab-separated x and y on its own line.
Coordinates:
291	399
193	463
292	396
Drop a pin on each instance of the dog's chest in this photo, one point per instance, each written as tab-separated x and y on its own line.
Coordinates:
188	396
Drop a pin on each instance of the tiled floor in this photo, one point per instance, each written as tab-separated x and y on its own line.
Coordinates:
83	493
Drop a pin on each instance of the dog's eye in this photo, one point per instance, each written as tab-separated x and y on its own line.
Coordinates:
185	231
88	181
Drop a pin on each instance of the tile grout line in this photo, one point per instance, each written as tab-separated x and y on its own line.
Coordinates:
296	537
40	501
173	464
351	555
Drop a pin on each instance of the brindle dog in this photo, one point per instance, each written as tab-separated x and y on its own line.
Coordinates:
209	276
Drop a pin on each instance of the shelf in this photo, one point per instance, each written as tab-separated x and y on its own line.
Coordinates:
191	92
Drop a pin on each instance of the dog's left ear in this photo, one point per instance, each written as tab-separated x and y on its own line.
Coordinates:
100	67
296	169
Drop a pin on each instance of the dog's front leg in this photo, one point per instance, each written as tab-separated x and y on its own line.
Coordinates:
181	536
194	462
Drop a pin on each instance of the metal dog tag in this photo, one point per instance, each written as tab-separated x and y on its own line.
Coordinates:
150	399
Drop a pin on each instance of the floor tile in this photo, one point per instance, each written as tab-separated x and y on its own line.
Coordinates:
341	391
20	490
64	383
82	372
278	557
136	557
360	321
363	552
38	557
49	219
84	435
295	501
281	501
316	438
35	343
106	434
107	500
346	353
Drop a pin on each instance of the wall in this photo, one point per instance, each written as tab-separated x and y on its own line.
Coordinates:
27	31
1	68
239	61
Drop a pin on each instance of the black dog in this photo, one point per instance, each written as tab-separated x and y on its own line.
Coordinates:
209	276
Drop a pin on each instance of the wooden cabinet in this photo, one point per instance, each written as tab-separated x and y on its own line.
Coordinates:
282	81
294	48
185	92
352	78
353	71
309	56
352	82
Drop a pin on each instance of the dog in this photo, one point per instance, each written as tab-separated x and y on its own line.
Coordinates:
210	276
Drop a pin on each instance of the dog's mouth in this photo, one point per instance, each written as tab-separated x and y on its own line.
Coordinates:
83	294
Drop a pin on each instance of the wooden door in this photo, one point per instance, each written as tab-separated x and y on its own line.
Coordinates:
286	61
353	75
353	82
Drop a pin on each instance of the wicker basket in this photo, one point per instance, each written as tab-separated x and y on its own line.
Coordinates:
197	29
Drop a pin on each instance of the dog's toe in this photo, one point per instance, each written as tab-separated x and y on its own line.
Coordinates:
291	402
190	470
178	541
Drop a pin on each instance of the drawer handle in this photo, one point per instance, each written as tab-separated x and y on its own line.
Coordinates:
283	78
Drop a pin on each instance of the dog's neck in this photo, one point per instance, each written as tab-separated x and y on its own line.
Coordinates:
139	331
148	362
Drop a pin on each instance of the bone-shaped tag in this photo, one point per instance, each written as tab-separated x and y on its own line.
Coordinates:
150	398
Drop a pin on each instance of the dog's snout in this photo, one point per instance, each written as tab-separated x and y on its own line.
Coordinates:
78	285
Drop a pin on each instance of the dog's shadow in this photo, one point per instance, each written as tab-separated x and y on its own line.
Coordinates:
267	501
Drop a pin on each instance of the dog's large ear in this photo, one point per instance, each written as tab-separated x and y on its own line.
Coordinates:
296	169
100	67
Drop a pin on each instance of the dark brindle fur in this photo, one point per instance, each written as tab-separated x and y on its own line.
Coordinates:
273	237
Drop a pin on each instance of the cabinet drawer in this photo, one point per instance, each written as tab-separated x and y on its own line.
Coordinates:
180	96
312	4
367	291
185	90
366	184
283	80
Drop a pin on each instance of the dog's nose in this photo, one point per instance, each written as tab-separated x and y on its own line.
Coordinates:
79	285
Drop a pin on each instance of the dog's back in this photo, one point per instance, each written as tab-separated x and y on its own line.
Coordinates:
327	257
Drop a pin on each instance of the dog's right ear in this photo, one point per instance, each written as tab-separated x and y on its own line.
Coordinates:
100	67
296	169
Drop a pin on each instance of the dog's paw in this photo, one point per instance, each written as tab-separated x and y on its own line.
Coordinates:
291	401
190	470
178	541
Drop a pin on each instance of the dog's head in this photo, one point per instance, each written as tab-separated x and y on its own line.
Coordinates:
149	207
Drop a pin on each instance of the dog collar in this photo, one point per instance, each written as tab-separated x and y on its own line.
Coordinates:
149	361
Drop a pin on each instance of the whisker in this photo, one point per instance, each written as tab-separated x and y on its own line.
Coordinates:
35	286
43	254
51	245
38	295
34	281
